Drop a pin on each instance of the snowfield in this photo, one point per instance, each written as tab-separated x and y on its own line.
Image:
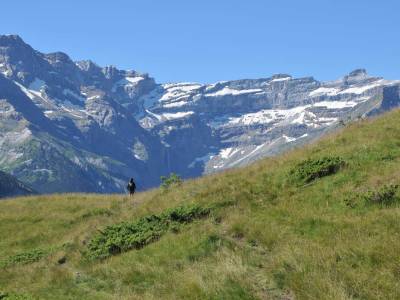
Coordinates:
324	91
226	91
281	79
180	90
178	115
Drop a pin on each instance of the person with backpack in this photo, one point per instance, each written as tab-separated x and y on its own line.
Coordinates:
131	187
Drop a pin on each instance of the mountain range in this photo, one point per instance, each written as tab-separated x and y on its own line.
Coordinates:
73	126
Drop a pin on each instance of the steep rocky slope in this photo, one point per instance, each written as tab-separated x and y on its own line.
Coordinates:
10	186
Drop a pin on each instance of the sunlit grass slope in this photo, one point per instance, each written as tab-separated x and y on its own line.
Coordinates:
269	231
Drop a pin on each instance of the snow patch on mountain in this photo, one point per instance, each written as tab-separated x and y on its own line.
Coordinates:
178	90
34	94
175	104
336	104
324	91
289	139
281	79
266	116
356	89
305	118
151	99
232	92
228	152
127	81
134	79
177	115
362	89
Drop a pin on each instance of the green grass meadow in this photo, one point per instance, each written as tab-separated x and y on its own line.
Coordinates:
320	222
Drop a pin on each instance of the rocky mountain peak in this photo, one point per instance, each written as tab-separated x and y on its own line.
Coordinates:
358	73
58	58
356	76
13	47
87	65
281	76
11	40
18	60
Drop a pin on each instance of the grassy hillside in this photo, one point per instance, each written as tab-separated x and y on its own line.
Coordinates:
320	222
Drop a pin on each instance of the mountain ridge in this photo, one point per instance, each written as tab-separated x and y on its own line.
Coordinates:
90	128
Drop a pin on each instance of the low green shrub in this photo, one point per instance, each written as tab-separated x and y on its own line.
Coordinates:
311	169
171	180
122	237
24	258
184	214
384	196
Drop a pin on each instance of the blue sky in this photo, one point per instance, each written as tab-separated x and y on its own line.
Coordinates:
207	41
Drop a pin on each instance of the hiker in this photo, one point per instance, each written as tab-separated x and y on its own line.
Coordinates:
131	187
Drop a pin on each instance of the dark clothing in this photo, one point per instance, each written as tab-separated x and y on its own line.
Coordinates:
131	187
